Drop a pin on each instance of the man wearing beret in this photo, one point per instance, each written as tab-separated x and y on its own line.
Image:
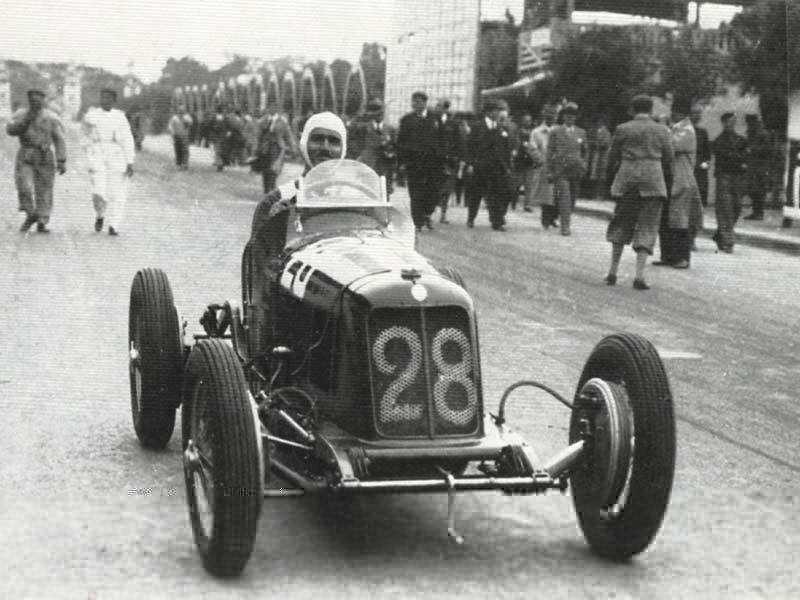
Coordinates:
419	151
39	131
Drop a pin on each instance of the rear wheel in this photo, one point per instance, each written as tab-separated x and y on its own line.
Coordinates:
625	405
155	357
223	460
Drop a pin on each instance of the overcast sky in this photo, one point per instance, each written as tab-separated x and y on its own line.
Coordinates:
112	33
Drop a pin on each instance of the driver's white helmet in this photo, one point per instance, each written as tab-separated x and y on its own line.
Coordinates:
323	120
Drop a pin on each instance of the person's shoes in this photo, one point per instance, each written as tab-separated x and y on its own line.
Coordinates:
98	224
26	224
640	284
42	228
726	249
428	223
500	228
112	231
444	221
681	264
566	233
662	263
754	217
470	224
610	279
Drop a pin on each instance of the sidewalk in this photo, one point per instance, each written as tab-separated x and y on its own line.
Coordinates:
764	234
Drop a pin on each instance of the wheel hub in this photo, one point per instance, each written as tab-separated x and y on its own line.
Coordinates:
201	481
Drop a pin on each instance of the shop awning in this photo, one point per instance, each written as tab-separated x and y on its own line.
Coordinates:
521	87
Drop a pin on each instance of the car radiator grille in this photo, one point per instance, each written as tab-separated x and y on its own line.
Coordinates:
423	372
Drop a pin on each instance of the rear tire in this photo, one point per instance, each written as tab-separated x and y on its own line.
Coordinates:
223	458
626	525
155	356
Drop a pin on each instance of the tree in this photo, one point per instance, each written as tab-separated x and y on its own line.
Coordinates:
601	70
767	55
184	71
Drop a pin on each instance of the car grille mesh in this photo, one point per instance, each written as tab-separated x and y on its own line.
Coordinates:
423	372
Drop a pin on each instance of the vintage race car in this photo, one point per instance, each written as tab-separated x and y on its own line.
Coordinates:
353	366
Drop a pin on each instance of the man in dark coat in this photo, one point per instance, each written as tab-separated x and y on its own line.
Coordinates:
703	158
419	152
760	151
730	163
375	142
489	160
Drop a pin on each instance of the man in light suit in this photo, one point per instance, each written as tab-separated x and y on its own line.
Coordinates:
110	152
566	163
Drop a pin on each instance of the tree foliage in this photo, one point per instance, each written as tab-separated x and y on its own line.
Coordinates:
184	71
767	55
601	70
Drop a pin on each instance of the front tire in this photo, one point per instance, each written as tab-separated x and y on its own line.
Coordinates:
155	358
222	458
620	515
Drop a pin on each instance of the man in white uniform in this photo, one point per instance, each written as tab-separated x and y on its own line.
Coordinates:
109	151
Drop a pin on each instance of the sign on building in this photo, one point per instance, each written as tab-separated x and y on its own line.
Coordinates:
534	50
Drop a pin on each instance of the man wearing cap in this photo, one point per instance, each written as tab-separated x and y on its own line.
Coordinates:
39	131
730	164
642	151
566	163
110	153
419	152
489	160
375	140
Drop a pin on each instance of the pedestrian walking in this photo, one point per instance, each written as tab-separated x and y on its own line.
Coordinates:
179	127
420	155
40	131
110	151
642	151
462	179
730	156
542	187
566	163
760	154
489	160
682	213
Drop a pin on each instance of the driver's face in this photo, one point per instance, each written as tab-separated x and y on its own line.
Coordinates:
323	145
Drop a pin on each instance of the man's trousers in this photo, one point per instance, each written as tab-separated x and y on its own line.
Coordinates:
109	195
727	207
35	187
424	184
497	188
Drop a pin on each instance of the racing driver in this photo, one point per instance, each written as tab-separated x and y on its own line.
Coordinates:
324	138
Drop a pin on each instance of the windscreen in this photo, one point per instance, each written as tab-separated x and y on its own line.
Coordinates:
347	195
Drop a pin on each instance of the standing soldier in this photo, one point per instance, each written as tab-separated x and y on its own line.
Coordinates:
420	155
730	155
38	130
566	163
110	153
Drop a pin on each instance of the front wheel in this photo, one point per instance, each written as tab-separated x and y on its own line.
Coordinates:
155	358
624	411
222	458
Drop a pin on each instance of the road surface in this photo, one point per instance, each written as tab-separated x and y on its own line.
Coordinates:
86	512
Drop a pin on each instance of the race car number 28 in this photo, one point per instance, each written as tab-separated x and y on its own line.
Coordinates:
448	373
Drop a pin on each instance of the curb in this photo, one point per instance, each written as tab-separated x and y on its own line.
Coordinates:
748	238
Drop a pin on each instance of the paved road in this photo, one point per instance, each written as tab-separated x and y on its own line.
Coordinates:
87	513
